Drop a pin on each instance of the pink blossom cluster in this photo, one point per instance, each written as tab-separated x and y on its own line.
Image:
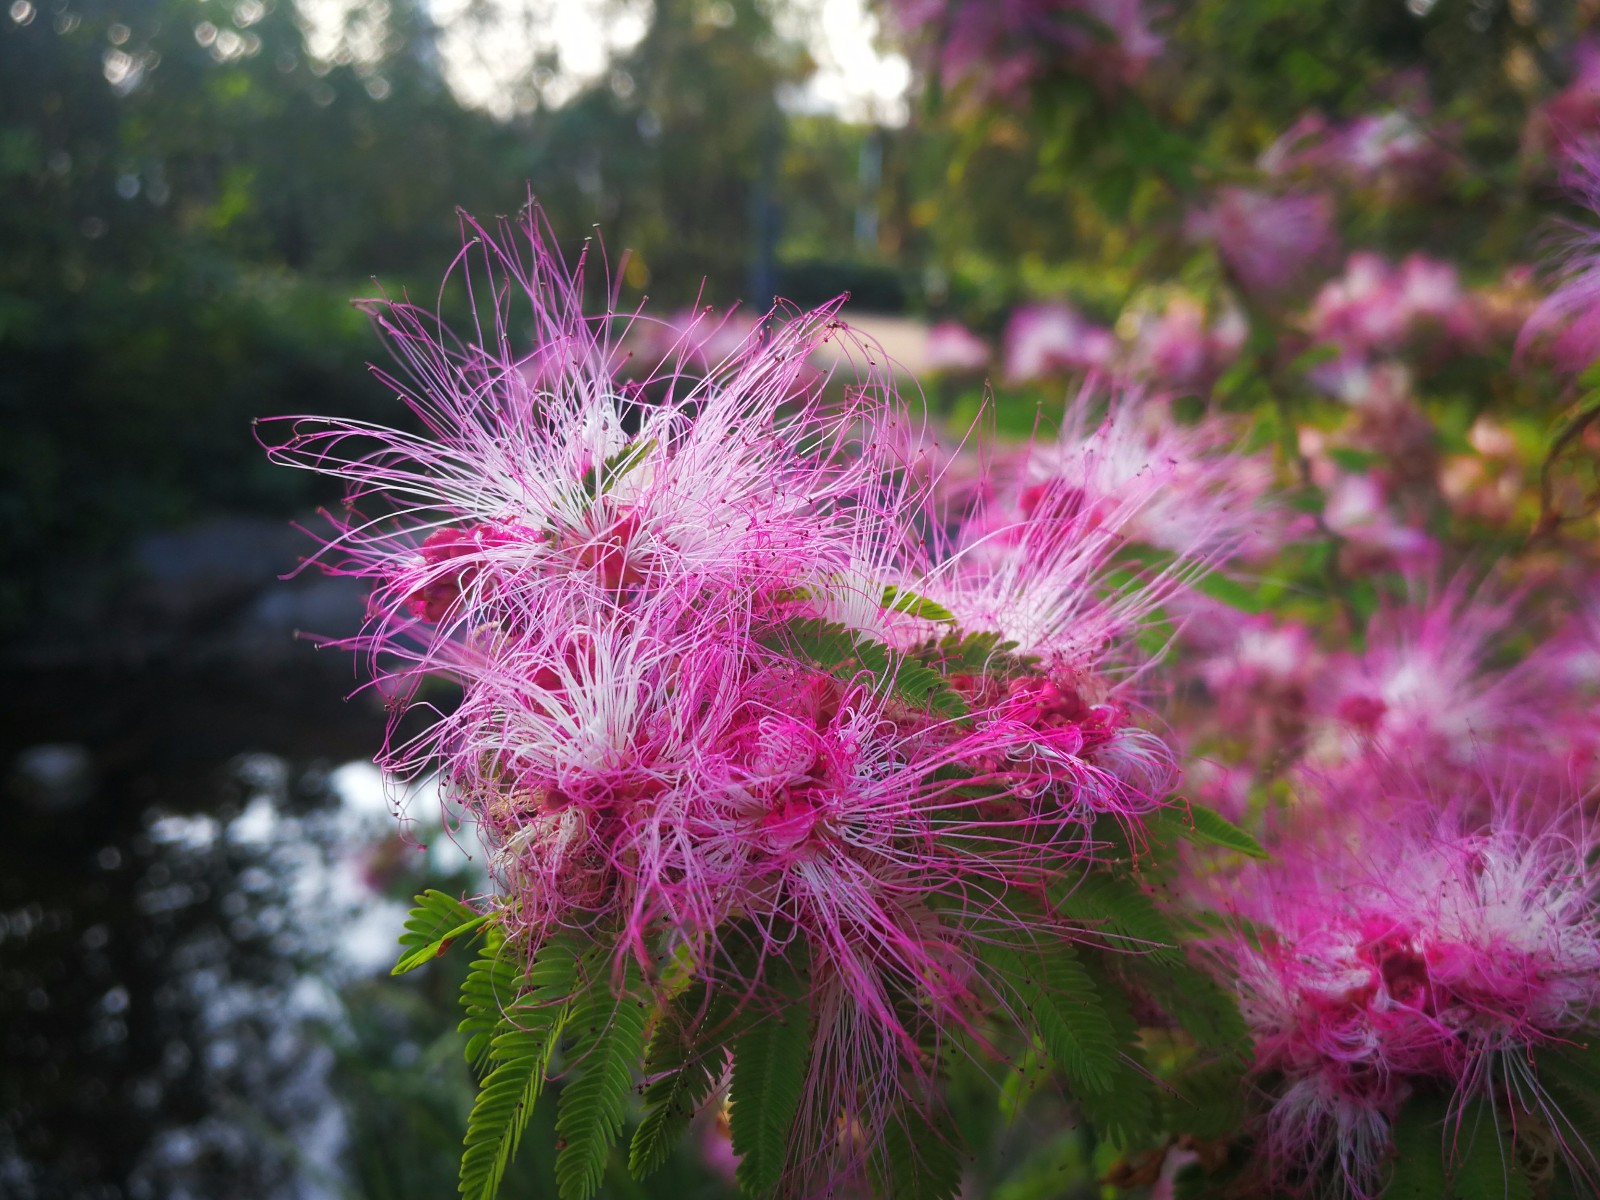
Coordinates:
997	48
1565	328
1403	944
747	661
1560	127
1397	153
1427	922
1174	346
1271	242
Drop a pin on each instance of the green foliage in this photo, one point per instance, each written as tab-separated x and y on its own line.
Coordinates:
433	926
1485	1165
597	481
491	985
770	1058
1200	825
609	1039
917	1159
1124	1112
903	600
680	1070
519	1052
1121	915
973	654
845	654
1051	990
431	951
1205	1100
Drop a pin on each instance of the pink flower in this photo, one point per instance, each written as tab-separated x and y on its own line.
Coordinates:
1565	122
1567	325
1042	340
1399	945
662	744
1395	151
1180	349
999	48
952	346
1270	242
1424	687
1378	307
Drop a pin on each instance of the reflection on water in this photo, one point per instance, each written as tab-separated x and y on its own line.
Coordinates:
170	963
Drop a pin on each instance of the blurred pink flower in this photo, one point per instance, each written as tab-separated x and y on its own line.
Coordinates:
1396	152
1564	123
1269	241
1179	348
999	48
1566	327
1403	942
951	346
1042	340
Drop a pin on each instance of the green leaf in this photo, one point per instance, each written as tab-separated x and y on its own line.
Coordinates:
1205	1100
433	949
429	924
1486	1166
1202	1007
609	1041
491	986
1054	993
1119	911
1419	1151
918	1157
1125	1111
901	600
844	654
520	1049
973	654
681	1084
769	1069
1226	590
1203	827
598	481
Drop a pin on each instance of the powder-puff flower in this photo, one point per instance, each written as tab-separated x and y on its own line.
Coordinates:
1396	152
1562	124
1408	945
1179	348
629	581
1269	241
997	48
1042	340
1567	325
1426	686
951	346
1375	306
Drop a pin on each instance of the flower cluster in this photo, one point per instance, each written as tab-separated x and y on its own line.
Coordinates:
1402	945
998	48
751	670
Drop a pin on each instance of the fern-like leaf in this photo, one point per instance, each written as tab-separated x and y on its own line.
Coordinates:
525	1037
491	985
1124	1111
432	925
680	1084
1485	1167
1205	1009
1120	912
903	600
1203	827
608	1042
844	653
769	1069
919	1157
1419	1152
1052	990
